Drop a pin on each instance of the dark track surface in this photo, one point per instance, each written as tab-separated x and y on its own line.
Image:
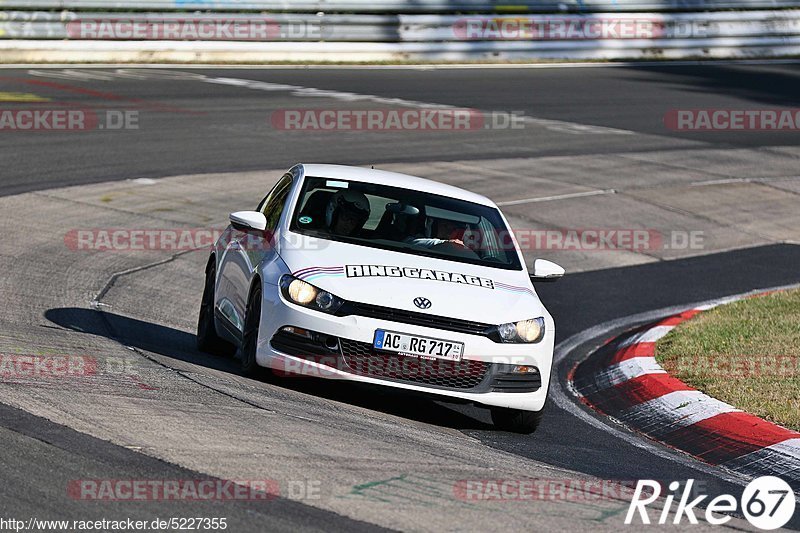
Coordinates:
41	459
225	128
219	128
36	450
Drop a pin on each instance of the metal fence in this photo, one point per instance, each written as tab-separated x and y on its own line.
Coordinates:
405	6
169	36
532	30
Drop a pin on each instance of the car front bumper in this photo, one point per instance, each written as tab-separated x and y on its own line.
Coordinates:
341	348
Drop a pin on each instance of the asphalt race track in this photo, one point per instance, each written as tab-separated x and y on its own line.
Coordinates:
594	152
222	128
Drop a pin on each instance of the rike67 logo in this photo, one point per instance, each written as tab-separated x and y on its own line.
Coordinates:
767	502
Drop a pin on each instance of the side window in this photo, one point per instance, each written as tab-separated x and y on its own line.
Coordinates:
488	239
272	205
275	188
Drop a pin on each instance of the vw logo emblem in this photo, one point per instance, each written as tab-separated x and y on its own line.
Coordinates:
422	303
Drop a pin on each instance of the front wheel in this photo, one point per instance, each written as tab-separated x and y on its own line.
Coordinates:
516	420
252	319
207	339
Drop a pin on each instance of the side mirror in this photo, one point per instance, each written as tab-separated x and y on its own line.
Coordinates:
544	270
248	220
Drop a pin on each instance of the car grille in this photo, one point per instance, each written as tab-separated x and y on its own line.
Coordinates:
362	359
417	319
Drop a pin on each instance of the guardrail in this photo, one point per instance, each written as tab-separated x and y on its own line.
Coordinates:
406	6
534	30
274	37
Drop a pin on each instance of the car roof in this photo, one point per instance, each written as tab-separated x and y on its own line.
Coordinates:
392	179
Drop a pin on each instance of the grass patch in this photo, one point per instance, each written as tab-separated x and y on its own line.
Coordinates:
746	354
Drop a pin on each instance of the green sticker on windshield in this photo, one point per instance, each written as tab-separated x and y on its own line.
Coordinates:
305	220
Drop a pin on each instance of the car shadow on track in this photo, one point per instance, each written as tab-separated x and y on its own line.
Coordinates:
180	345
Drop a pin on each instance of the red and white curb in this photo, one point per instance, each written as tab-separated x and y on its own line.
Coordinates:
624	381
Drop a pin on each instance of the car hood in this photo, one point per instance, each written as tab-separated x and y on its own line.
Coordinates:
395	279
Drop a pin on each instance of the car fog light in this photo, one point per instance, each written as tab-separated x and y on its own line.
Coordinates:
297	331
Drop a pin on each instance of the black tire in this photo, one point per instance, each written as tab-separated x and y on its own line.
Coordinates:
207	339
516	420
252	319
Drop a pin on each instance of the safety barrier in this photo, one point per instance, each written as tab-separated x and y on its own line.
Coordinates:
355	37
406	6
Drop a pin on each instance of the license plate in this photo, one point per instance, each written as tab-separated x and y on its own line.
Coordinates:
405	344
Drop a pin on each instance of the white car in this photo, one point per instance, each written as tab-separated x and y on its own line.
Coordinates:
383	278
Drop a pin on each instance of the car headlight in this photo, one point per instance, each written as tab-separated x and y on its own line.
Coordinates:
524	331
507	331
303	293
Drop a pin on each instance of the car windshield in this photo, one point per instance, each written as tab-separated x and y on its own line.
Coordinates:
404	220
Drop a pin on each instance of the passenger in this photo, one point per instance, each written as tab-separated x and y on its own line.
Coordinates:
446	231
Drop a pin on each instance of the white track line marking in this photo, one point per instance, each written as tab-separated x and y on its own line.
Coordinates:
556	197
626	370
673	411
651	335
781	459
573	128
296	90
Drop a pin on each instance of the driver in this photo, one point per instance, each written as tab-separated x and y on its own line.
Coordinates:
446	231
347	212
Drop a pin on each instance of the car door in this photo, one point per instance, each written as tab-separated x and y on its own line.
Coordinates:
245	251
